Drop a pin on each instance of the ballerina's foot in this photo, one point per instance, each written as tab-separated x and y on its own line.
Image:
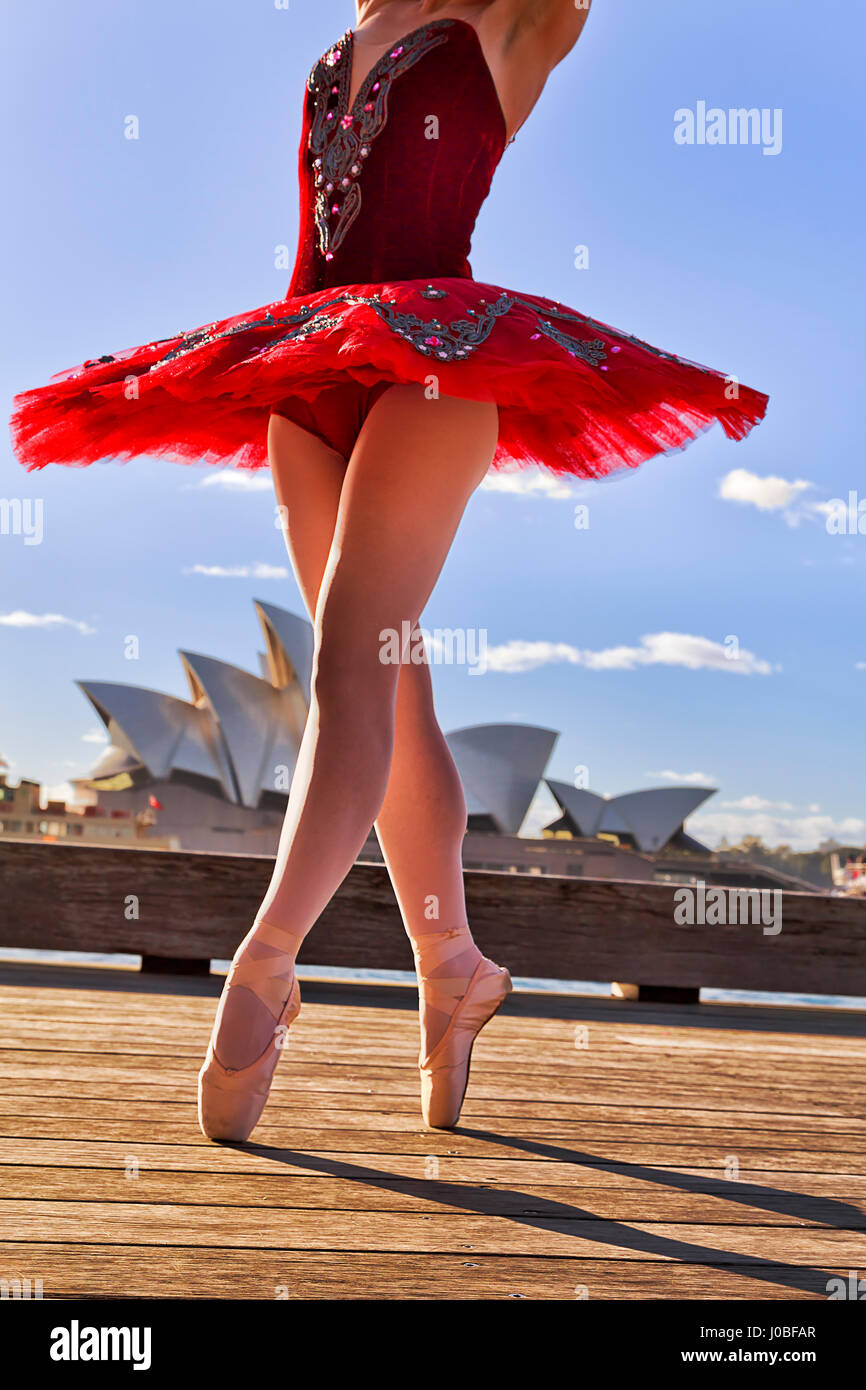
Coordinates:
454	1009
235	1080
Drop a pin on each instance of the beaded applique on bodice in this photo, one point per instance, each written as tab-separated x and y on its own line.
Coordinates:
391	185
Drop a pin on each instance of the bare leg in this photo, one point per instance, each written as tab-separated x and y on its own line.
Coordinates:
420	828
414	467
422	820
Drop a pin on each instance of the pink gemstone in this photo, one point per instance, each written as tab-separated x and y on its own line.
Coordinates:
533	336
369	106
335	208
375	87
347	121
616	349
344	183
329	188
330	115
329	255
395	52
604	369
334	91
434	341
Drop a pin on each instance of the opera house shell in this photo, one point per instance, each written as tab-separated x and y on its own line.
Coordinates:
651	820
219	764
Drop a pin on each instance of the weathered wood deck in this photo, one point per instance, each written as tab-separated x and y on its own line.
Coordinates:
593	1170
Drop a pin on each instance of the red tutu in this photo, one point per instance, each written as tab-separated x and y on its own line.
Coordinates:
382	292
574	395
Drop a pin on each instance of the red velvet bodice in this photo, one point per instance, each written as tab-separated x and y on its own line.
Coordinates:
391	189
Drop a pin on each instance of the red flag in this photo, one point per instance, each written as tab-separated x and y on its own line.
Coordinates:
152	801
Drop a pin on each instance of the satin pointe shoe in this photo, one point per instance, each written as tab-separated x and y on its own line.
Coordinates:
231	1099
445	1070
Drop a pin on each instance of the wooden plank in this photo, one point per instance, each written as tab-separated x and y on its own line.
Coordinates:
132	1223
106	1271
753	1184
597	1171
487	1091
725	1205
190	1018
577	1112
200	905
178	1114
682	1150
107	988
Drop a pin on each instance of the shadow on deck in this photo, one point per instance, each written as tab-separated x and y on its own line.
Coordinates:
606	1150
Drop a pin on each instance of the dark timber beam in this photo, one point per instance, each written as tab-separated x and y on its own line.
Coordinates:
183	906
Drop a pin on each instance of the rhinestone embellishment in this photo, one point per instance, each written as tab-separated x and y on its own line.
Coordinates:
451	341
341	136
590	350
448	342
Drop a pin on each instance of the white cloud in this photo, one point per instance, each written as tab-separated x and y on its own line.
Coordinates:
527	483
757	803
773	826
20	618
773	494
239	480
656	649
768	494
860	665
256	571
99	735
679	649
698	779
518	656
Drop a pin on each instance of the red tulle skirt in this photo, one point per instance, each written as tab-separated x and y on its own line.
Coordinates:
575	396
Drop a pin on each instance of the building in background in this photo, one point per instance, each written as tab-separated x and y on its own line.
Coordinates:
649	820
220	763
217	767
24	817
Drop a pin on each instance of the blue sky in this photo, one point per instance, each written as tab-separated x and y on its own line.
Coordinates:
750	263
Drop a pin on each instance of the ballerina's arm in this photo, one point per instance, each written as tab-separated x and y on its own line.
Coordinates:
548	29
524	40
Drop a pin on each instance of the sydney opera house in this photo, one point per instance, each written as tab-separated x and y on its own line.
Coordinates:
218	766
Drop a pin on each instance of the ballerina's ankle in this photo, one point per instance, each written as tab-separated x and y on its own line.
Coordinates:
435	939
433	952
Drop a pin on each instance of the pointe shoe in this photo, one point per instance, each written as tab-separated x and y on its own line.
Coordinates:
445	1071
231	1099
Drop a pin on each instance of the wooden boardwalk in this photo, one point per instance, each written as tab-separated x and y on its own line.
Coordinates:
606	1150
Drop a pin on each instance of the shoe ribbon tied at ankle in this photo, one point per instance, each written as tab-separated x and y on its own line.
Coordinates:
442	992
266	977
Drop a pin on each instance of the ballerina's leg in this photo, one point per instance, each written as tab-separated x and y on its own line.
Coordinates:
399	499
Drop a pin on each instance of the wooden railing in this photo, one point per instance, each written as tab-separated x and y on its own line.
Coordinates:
180	909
